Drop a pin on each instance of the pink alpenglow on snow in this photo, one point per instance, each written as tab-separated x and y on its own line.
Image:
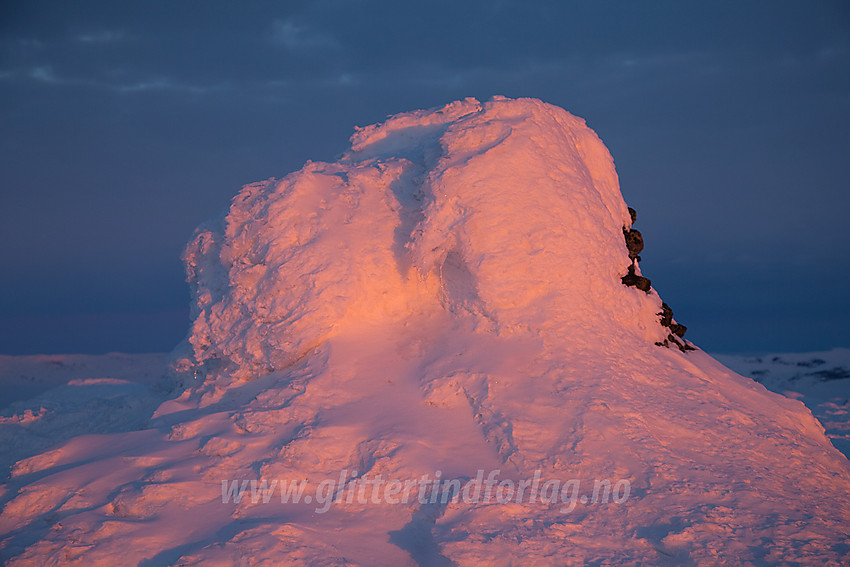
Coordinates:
448	296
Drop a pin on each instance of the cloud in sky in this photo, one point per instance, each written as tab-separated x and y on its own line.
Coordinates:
103	36
448	46
300	36
46	76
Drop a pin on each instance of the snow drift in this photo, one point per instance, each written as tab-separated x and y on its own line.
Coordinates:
444	299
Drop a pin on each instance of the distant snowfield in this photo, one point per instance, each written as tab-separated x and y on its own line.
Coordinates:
425	354
50	398
821	380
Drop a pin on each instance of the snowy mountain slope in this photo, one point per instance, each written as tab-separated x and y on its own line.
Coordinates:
774	371
73	389
441	310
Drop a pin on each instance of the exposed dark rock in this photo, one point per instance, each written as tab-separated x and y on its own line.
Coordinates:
634	242
666	315
683	345
811	363
678	330
633	280
837	373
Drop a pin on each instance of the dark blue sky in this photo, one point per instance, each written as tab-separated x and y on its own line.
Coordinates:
124	125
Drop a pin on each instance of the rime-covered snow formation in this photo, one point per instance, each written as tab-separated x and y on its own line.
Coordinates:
443	303
508	212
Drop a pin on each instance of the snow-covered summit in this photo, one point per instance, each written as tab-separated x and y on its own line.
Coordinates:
509	212
443	307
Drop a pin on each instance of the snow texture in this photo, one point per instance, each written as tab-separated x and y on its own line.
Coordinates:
446	296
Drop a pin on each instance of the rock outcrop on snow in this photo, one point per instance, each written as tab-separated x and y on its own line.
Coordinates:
634	244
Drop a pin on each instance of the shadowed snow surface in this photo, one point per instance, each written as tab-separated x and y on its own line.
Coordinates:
446	296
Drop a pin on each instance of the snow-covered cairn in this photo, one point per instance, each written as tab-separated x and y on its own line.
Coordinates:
509	212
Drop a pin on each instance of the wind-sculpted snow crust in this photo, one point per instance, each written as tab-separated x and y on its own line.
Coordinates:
508	211
448	297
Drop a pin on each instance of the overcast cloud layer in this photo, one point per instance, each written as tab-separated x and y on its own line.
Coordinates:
125	125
